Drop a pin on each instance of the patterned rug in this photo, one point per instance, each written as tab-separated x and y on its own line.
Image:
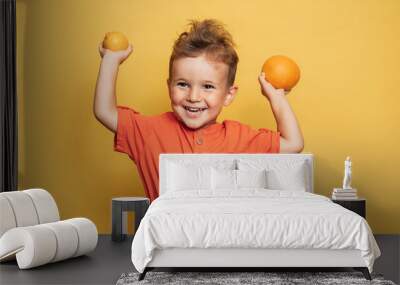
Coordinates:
269	278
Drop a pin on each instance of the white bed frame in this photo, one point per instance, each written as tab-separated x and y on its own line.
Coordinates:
249	257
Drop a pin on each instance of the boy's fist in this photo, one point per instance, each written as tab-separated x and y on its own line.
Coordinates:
269	91
119	56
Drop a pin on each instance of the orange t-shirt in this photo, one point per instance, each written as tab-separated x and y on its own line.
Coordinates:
143	138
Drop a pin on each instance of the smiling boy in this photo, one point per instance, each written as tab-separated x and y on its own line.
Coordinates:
201	79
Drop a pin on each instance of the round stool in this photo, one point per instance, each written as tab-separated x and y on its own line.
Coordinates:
120	206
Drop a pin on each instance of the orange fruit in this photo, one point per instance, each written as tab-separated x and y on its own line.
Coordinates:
281	72
115	41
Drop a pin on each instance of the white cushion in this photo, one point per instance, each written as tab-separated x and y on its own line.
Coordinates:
223	179
282	174
7	218
87	233
67	239
33	246
287	179
183	177
235	179
168	175
23	208
46	207
27	208
251	178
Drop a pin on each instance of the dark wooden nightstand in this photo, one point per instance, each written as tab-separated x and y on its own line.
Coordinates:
356	205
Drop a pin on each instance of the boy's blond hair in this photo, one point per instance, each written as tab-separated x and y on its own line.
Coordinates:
207	37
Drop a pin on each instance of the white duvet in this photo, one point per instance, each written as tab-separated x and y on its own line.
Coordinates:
250	218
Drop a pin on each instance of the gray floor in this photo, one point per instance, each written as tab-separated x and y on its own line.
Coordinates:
389	262
103	266
111	259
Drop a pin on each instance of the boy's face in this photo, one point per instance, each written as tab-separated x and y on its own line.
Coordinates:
198	90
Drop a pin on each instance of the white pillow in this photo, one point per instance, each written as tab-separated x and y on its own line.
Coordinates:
223	179
181	177
287	179
251	178
236	179
282	174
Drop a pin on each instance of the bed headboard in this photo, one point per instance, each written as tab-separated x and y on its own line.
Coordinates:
212	158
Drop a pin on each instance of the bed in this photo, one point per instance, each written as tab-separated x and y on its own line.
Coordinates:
245	211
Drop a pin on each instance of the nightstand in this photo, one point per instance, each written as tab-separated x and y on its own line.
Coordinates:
356	205
122	205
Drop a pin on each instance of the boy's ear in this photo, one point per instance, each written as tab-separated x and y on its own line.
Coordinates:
230	96
168	86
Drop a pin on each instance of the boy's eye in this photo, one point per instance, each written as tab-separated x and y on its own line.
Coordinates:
208	86
182	84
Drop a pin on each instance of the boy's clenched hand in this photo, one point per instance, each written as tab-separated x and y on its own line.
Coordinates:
269	91
118	56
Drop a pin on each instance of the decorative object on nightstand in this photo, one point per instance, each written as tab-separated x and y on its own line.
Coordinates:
357	205
347	174
122	205
347	192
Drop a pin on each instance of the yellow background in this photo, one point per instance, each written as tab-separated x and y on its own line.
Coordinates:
347	100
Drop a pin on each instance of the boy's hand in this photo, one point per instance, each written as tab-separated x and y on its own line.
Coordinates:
118	56
268	90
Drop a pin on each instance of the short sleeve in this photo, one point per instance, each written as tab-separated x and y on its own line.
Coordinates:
249	140
269	140
127	138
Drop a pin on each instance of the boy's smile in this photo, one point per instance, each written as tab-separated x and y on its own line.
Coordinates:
198	90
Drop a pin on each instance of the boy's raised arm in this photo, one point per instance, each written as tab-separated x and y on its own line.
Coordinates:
291	140
105	102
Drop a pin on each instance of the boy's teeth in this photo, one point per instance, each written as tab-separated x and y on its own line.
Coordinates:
194	109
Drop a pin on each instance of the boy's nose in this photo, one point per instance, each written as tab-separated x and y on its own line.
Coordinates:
194	96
